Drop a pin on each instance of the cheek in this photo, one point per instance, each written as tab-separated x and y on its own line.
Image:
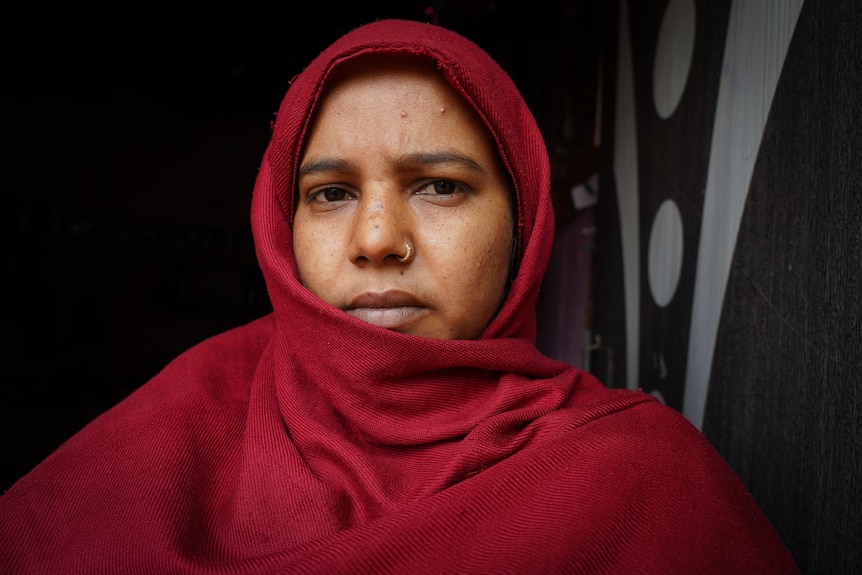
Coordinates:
498	243
478	268
497	256
310	249
493	263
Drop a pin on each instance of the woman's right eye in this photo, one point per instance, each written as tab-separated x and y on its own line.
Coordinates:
329	195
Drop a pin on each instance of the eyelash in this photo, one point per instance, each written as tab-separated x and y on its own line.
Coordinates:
320	195
456	187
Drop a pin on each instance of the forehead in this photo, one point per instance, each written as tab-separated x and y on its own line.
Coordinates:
404	98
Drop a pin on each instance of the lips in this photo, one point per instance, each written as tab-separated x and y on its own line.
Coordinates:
393	309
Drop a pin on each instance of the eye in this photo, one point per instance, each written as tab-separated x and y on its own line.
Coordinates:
330	194
440	188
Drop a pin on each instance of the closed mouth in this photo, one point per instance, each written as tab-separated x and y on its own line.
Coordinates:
392	309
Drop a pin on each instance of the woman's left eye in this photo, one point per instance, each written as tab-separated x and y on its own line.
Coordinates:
440	188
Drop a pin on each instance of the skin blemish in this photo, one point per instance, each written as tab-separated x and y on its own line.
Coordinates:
403	114
442	110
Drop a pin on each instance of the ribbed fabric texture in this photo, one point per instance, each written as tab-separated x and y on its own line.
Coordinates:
311	442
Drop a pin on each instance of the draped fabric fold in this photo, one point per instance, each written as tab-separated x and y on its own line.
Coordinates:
308	441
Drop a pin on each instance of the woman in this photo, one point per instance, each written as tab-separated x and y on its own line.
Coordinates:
392	415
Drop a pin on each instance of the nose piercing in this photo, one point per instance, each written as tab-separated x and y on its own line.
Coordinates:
408	256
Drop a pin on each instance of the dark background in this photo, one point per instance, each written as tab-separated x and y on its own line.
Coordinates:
130	148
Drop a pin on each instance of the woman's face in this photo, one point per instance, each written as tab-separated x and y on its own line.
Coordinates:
395	155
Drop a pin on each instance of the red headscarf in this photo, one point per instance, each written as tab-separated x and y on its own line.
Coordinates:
311	442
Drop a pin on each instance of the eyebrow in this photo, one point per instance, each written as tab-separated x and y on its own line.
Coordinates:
324	165
434	158
406	161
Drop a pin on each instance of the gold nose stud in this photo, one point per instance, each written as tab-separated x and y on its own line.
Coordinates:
408	256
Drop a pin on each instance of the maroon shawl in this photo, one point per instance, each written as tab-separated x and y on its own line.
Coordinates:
311	442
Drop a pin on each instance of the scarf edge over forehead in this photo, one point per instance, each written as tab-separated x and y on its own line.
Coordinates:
488	89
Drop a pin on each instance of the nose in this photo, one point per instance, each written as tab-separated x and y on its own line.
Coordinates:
380	228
